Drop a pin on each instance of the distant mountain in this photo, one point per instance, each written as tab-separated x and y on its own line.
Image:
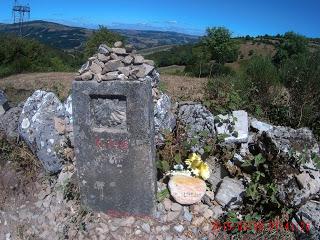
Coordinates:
69	38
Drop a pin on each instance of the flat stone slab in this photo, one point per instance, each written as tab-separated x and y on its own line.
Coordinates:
114	145
234	127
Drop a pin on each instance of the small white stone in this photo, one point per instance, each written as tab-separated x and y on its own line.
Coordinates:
25	123
179	228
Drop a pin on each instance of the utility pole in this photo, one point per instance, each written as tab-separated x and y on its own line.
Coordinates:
20	14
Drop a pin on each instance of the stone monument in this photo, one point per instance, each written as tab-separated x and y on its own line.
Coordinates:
114	144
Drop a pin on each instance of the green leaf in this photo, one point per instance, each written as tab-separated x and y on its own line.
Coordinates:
247	163
165	166
207	148
177	158
259	159
162	195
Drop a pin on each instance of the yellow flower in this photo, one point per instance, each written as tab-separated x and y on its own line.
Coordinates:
204	171
194	161
197	166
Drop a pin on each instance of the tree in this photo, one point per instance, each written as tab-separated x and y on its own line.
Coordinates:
220	45
102	36
291	44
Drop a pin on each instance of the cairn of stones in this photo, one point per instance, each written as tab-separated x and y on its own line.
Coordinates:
119	63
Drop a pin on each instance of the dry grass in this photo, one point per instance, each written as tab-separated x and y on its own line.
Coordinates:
183	88
19	87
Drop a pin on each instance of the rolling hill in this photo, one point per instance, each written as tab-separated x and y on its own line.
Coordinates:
70	38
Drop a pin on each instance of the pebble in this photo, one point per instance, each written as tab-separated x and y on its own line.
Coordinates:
187	215
146	227
176	207
172	216
179	228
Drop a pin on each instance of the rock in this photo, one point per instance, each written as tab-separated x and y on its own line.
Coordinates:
118	44
210	195
9	123
290	145
119	51
95	67
186	190
125	71
217	212
167	204
36	127
187	215
260	126
87	76
176	207
142	71
172	216
197	221
178	228
85	67
230	192
127	222
138	59
103	58
104	49
235	127
4	104
198	123
218	172
129	48
110	76
164	119
111	66
309	181
308	214
127	60
114	56
208	213
146	227
149	62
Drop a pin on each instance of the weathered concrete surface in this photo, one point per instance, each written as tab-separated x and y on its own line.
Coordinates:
115	154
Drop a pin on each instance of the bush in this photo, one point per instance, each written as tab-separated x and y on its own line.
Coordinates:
19	55
207	70
222	95
301	75
258	76
291	44
102	36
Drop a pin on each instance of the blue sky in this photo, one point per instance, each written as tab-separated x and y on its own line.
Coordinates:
242	17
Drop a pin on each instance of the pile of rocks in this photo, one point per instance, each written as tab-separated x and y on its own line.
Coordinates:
117	63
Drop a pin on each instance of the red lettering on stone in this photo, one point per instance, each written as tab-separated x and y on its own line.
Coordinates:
112	144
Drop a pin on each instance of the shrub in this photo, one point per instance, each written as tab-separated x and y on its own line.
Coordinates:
222	96
101	36
291	44
19	55
301	75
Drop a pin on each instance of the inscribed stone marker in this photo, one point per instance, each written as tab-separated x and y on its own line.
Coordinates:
114	143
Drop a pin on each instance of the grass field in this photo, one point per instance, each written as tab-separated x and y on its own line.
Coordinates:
19	87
